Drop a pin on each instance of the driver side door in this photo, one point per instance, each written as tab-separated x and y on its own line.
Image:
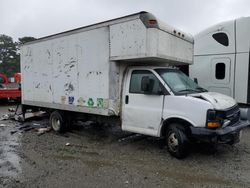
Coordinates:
142	111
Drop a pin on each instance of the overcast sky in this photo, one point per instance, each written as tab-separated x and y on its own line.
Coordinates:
39	18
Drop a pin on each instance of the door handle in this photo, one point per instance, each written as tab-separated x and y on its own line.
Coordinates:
126	99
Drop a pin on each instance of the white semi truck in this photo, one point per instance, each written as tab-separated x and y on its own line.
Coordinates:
222	61
122	71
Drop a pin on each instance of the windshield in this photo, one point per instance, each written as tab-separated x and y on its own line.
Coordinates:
178	82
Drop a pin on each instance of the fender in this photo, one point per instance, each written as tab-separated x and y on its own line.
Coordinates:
169	119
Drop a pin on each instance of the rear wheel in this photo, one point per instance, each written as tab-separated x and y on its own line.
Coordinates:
58	121
177	141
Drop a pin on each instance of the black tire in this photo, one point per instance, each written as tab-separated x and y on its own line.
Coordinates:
177	141
58	121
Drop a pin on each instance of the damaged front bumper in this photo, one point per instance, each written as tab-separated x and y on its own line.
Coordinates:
225	135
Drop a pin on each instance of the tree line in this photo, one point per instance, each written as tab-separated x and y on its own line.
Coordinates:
10	54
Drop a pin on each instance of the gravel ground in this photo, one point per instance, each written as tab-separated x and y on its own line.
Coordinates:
104	156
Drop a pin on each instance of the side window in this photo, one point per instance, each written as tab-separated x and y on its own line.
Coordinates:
220	70
136	78
221	38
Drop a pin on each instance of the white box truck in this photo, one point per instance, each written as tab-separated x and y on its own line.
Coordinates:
122	71
222	61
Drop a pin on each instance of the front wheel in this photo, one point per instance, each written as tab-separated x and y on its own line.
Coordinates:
177	141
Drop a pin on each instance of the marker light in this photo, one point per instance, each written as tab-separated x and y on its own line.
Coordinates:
152	22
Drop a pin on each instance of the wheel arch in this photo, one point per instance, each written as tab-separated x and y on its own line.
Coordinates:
184	125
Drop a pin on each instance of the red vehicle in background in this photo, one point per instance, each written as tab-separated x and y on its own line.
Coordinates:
10	88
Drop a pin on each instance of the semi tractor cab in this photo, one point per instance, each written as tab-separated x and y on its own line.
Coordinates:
122	72
222	61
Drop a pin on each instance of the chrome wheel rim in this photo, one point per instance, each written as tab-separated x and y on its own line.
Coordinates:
173	142
56	123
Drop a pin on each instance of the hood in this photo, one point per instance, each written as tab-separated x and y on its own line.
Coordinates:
219	101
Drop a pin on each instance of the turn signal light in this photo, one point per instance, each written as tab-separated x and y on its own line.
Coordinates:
213	124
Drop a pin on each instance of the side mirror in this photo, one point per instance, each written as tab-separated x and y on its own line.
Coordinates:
147	84
196	80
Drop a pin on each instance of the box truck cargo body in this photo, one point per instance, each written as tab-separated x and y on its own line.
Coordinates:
221	60
123	70
76	70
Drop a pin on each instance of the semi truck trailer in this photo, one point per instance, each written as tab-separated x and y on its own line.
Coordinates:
122	71
222	61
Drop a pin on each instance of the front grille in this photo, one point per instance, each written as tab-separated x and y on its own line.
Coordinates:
234	119
232	114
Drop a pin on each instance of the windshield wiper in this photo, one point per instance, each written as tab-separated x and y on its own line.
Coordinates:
201	89
187	90
198	89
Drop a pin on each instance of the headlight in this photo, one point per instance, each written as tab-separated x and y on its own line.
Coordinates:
212	119
211	115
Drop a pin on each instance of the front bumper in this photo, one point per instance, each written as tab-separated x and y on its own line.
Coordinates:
226	135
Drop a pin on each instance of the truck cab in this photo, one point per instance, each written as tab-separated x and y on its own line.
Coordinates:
164	102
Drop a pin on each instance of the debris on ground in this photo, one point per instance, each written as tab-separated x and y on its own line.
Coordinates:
12	132
67	144
40	128
132	137
5	117
16	117
26	128
41	131
23	127
11	109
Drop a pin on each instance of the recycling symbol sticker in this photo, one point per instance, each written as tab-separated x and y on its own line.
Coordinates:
90	102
